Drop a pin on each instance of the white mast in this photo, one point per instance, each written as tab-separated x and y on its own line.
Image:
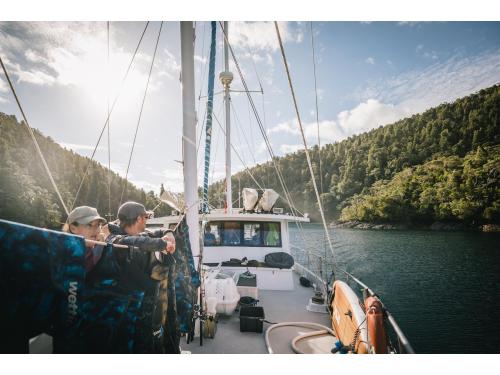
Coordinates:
226	77
189	134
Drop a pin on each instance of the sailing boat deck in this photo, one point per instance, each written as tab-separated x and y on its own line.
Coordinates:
279	306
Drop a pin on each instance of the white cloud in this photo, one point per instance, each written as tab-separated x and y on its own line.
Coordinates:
77	147
200	59
34	56
4	89
286	127
32	76
262	35
75	54
329	130
369	115
3	85
446	81
431	55
146	185
173	66
426	54
290	148
363	117
370	60
261	149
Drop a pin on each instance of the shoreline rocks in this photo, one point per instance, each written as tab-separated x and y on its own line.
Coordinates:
436	226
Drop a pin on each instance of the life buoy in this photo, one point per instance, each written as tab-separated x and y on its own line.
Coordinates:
375	324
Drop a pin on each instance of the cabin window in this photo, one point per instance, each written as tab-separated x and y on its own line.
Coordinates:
271	234
212	235
252	234
231	233
243	233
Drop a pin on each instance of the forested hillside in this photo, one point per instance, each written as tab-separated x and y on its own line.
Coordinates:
26	194
445	189
365	164
438	165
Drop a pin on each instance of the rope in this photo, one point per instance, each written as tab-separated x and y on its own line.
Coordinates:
241	128
263	132
281	179
317	116
317	111
237	154
140	112
304	139
109	140
107	119
32	134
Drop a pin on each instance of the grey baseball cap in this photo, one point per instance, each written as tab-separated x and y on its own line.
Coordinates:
84	215
131	211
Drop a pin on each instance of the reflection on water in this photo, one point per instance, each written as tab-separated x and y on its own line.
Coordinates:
442	287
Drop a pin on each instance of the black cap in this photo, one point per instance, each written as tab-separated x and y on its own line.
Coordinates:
131	211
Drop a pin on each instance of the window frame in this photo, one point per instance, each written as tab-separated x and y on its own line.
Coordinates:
262	228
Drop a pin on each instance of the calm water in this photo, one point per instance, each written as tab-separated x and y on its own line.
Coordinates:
443	288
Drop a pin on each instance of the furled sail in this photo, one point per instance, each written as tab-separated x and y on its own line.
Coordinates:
210	105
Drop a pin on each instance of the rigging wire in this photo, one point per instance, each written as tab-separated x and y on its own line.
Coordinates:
217	142
317	117
264	135
140	112
202	71
237	154
109	138
107	119
303	138
288	197
32	134
317	111
241	128
237	132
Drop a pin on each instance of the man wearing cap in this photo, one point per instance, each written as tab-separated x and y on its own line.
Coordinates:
137	270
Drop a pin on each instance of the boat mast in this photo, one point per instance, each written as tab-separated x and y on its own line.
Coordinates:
226	77
189	134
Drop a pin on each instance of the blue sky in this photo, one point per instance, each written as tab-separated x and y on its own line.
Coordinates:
368	74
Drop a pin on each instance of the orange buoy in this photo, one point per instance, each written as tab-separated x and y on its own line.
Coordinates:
375	325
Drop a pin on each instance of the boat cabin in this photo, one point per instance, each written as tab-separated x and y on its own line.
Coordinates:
240	241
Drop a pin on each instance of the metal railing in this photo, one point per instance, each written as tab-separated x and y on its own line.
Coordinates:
404	346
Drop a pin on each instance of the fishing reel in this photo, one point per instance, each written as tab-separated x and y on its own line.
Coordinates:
208	321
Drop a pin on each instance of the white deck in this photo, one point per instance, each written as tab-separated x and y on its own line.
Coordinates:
279	306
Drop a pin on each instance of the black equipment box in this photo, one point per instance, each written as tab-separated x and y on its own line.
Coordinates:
251	319
247	279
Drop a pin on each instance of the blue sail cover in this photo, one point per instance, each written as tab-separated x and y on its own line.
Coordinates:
210	105
42	290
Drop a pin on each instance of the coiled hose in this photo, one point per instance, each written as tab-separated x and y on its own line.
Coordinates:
322	330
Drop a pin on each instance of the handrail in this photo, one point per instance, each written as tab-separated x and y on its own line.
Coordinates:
404	344
402	340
